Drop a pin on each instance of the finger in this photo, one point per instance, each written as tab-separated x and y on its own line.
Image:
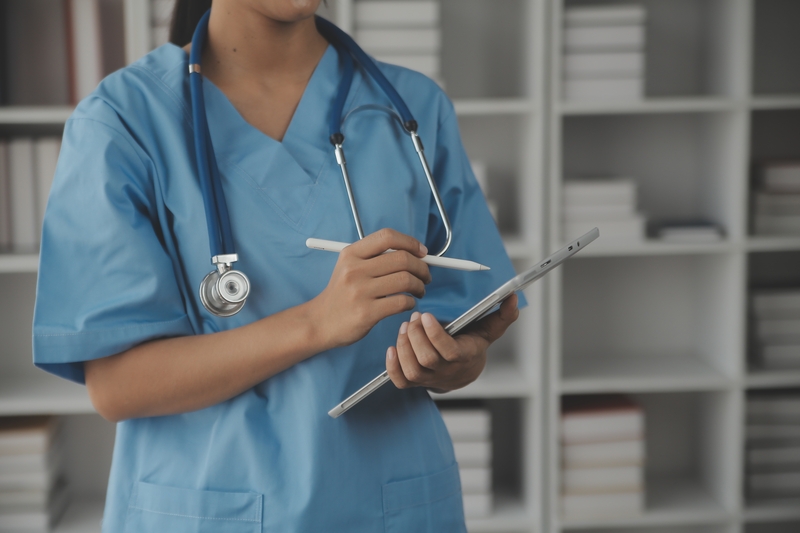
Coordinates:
392	305
398	261
412	370
493	326
426	353
444	344
376	243
394	370
394	284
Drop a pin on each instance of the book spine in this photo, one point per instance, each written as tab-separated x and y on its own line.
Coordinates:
23	198
5	199
46	159
87	55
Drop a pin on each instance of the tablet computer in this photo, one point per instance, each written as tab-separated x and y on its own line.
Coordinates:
481	309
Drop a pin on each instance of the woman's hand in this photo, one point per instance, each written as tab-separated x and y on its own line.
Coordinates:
367	286
426	356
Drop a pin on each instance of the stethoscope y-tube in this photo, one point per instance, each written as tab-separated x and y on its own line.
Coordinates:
224	290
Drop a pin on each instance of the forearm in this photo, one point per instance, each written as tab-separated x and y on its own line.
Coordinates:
185	374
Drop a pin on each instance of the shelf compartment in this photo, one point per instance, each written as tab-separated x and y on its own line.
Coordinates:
501	378
772	511
650	322
776	50
685	165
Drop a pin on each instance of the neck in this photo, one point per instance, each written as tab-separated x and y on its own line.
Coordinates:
245	45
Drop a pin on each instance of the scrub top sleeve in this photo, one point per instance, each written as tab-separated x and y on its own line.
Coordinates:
475	234
106	282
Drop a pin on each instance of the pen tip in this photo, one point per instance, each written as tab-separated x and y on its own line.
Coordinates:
484	267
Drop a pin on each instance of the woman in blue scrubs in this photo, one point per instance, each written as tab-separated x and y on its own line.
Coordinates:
222	422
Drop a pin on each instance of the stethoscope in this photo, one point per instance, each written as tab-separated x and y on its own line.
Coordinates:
224	290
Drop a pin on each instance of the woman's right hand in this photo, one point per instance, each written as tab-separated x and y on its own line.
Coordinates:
367	286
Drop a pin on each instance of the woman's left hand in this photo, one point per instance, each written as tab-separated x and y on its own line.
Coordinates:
426	356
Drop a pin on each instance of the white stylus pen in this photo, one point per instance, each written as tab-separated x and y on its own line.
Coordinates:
445	262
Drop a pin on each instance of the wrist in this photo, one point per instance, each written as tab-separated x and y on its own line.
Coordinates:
316	332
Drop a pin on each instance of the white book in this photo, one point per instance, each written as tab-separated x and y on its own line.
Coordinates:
775	481
622	38
619	14
781	176
384	13
475	479
30	463
777	204
38	499
612	504
582	212
774	405
5	197
611	479
468	424
46	150
26	481
161	12
778	331
604	65
477	505
601	419
33	518
27	435
603	90
473	454
690	234
774	456
780	356
24	234
625	229
600	191
773	431
400	41
427	64
776	225
87	49
766	301
619	453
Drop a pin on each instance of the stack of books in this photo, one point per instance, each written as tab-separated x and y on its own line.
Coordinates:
603	453
160	18
689	231
773	445
32	491
404	33
608	203
471	432
27	167
604	52
776	320
776	204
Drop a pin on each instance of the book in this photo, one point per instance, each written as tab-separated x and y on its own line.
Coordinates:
427	64
468	424
84	45
400	41
692	231
476	479
27	434
776	303
582	212
780	356
477	505
775	482
602	479
5	198
394	14
618	453
776	225
46	150
600	191
781	176
612	15
24	235
473	454
612	504
600	418
604	65
622	38
774	456
624	229
776	204
773	431
602	89
33	517
773	406
778	331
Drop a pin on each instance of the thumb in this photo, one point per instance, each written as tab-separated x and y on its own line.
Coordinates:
493	326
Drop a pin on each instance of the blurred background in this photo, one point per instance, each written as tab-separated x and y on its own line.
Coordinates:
653	384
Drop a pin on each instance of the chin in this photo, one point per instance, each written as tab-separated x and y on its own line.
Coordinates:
287	10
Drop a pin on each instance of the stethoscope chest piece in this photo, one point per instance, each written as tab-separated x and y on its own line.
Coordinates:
224	290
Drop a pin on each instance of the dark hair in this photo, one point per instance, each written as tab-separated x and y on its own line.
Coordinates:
185	16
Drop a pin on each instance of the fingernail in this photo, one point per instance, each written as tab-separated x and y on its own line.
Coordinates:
414	316
423	249
389	353
403	328
428	320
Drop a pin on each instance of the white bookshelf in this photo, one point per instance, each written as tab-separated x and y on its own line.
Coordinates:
666	323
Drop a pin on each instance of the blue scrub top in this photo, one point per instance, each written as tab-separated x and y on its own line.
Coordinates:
124	249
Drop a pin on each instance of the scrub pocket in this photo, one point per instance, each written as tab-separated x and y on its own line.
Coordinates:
428	504
159	509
